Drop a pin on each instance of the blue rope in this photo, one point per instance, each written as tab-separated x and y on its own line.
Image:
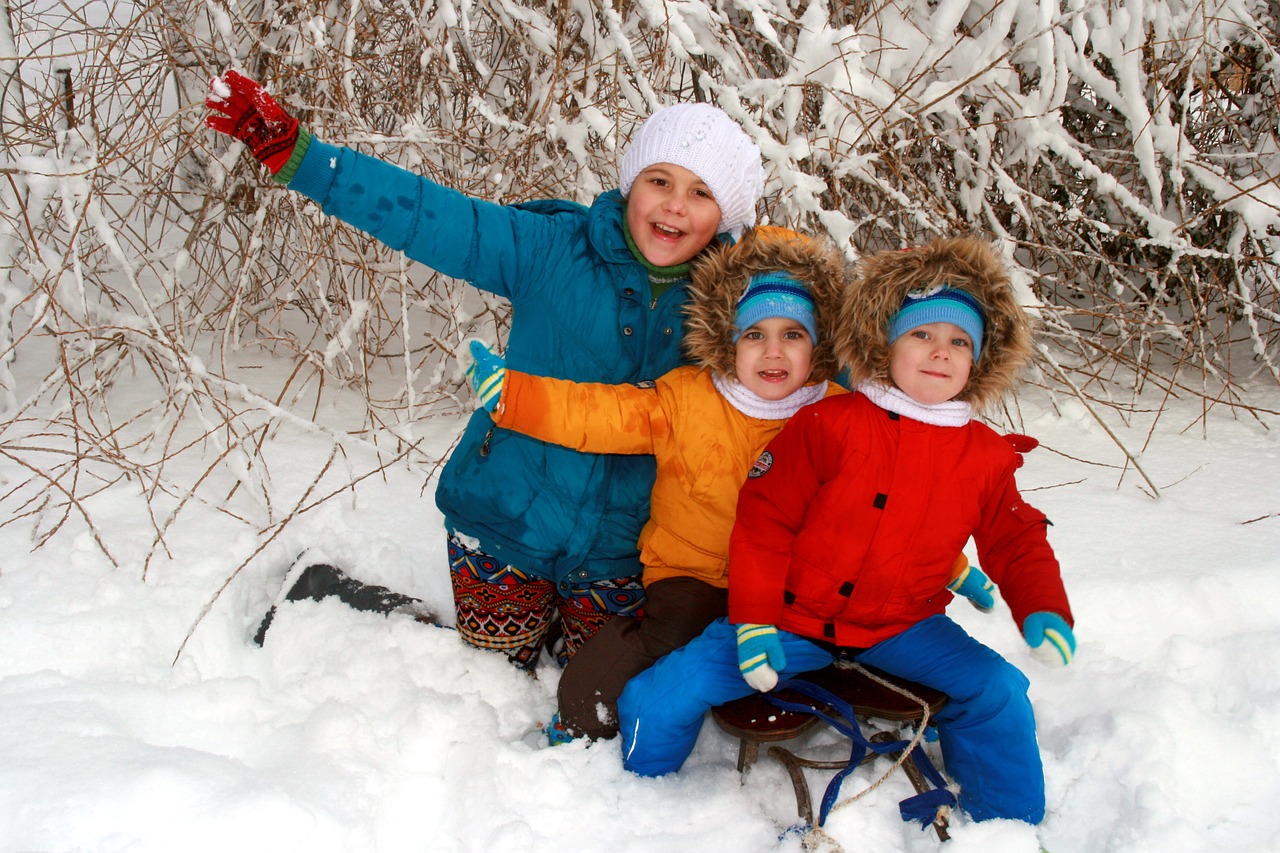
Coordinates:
921	807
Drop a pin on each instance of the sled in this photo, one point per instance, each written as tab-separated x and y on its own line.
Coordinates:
841	696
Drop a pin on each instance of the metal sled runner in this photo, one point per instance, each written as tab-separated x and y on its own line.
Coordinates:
840	696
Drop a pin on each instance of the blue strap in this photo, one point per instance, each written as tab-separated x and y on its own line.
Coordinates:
924	807
921	807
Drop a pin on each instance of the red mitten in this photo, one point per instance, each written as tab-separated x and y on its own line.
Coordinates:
250	114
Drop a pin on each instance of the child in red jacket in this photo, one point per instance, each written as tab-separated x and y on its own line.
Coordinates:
844	527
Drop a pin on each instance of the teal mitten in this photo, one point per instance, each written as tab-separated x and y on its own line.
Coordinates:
1050	637
486	373
974	585
760	656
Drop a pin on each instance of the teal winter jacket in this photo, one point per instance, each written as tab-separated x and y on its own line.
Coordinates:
581	311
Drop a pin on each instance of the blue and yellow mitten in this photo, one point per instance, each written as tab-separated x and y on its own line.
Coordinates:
973	584
760	656
486	372
1051	639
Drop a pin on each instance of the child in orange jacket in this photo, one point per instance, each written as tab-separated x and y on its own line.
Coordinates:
760	331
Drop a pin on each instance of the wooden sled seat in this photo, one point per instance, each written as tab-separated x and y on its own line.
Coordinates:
873	695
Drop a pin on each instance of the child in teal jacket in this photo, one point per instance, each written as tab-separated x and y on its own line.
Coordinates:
597	294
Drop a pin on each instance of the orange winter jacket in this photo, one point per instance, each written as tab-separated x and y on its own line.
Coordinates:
704	448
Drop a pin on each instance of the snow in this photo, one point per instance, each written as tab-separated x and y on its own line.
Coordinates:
353	732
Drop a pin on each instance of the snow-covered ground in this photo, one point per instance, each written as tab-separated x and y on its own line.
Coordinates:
353	732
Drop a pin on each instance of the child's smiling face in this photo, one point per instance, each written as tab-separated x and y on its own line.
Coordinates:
671	214
773	357
931	363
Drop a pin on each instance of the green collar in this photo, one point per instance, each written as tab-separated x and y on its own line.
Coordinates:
669	275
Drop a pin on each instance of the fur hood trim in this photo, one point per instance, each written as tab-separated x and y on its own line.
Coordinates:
720	277
883	280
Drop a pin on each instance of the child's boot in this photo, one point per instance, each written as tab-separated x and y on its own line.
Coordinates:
320	580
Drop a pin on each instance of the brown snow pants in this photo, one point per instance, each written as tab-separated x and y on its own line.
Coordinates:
676	610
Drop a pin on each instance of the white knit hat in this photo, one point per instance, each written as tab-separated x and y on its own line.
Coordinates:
704	140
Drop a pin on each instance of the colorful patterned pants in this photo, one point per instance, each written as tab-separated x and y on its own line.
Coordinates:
502	608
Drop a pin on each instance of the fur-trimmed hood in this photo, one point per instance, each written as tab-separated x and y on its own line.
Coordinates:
720	277
883	280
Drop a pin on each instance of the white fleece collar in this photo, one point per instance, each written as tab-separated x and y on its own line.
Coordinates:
753	405
953	413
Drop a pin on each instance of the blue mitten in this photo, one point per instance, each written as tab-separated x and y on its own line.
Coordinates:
760	656
1050	638
974	585
486	373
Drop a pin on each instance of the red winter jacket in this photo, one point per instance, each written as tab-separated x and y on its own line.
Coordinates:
848	526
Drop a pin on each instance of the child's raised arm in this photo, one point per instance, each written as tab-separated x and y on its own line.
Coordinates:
431	223
251	115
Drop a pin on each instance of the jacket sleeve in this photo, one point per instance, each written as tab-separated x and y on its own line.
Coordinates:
586	416
1014	550
770	513
463	237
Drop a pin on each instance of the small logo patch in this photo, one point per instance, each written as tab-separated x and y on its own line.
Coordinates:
761	466
646	384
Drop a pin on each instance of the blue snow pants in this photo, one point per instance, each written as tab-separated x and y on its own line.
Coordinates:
986	730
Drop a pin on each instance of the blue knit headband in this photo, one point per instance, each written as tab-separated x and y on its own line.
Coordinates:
940	305
775	294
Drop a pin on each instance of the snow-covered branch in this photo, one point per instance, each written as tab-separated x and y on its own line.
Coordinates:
1123	155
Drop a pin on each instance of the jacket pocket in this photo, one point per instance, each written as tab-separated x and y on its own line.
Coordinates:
817	591
490	475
